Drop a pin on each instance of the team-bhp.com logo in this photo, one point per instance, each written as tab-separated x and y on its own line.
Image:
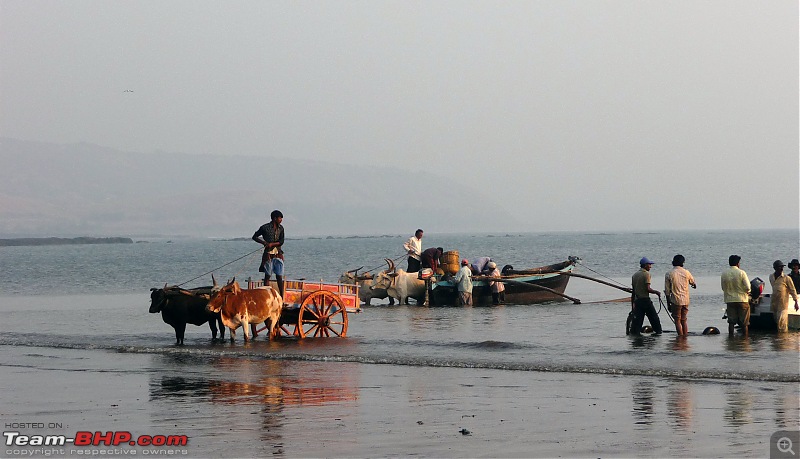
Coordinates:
83	438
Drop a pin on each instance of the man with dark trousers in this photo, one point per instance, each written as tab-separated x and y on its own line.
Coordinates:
641	304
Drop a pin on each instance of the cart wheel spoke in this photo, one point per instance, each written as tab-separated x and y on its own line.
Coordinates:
322	314
313	312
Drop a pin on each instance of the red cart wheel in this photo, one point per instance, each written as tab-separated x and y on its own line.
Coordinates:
322	314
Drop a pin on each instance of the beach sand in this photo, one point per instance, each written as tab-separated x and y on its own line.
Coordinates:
235	407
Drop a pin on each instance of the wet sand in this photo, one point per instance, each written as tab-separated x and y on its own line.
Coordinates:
236	407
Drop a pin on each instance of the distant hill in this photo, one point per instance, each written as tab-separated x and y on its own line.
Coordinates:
87	190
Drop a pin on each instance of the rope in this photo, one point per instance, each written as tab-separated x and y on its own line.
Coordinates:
602	275
220	267
393	259
669	314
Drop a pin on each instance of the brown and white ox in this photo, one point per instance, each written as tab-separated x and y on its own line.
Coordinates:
400	284
240	308
364	281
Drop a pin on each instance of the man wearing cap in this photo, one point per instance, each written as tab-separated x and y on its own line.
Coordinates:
464	284
676	290
736	291
641	304
794	265
498	288
782	288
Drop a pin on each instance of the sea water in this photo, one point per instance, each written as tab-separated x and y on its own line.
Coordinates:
79	313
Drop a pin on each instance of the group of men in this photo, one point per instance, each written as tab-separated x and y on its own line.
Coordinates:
735	287
430	258
463	280
735	284
419	259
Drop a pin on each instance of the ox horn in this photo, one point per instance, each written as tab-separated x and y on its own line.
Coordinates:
391	265
213	281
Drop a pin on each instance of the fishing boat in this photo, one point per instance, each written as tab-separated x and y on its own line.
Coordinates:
761	317
527	286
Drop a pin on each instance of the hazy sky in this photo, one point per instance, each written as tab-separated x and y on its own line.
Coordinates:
586	115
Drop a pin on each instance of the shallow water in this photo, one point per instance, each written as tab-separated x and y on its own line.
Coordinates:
556	379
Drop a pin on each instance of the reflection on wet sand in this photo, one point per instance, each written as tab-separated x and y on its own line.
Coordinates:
787	410
739	406
263	382
272	385
680	406
643	403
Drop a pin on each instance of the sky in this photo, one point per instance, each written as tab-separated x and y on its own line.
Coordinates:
573	115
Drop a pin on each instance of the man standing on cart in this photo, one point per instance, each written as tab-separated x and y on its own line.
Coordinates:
270	235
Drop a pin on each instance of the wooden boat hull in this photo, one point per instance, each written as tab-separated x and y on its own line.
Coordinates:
552	277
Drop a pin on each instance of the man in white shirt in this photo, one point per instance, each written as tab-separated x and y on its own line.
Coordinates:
463	283
676	289
414	248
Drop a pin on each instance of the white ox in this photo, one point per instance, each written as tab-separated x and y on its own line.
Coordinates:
400	284
365	291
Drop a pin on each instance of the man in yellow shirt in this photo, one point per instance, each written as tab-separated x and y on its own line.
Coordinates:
736	290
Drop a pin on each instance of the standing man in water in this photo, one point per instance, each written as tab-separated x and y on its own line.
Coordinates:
641	304
414	248
736	290
794	274
270	235
782	289
463	283
676	290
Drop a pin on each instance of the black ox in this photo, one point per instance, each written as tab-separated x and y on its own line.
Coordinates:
179	307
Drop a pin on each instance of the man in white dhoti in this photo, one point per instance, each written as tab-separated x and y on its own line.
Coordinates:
782	289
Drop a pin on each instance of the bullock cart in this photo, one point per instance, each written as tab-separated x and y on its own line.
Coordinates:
313	309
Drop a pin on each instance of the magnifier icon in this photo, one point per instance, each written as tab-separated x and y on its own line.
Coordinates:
784	445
